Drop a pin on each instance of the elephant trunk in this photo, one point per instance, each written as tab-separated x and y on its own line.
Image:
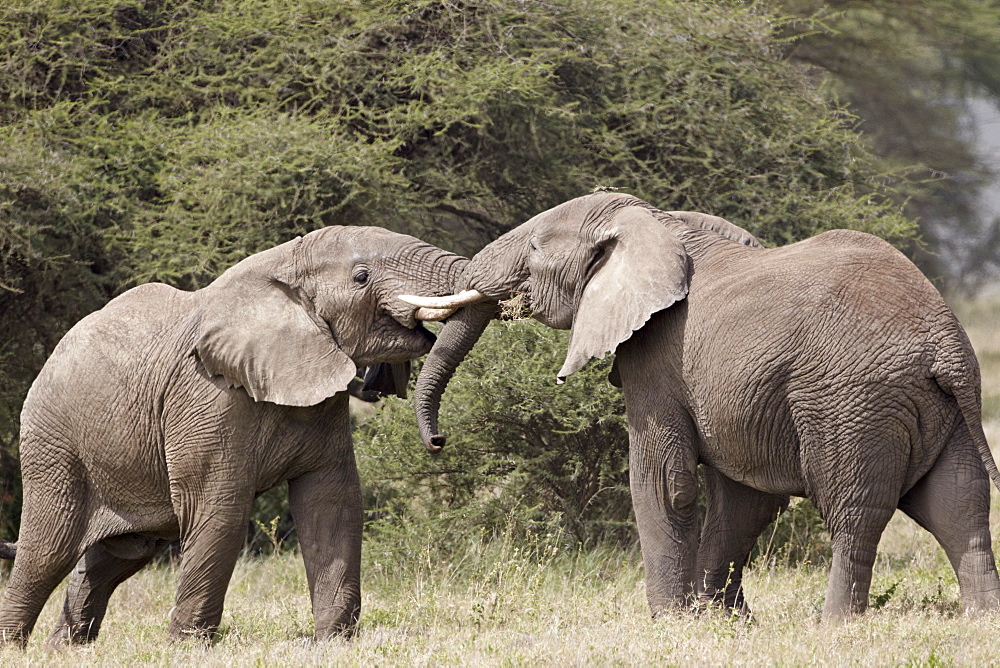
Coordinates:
495	273
454	342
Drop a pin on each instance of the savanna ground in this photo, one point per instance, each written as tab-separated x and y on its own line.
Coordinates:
502	602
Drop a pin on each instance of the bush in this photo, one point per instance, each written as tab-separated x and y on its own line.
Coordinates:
166	140
523	454
797	536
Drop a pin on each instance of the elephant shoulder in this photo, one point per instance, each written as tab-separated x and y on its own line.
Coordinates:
131	321
107	353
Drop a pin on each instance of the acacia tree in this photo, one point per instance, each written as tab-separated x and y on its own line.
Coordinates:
910	69
166	139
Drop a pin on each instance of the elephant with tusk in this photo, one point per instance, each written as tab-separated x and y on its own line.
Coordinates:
829	368
165	413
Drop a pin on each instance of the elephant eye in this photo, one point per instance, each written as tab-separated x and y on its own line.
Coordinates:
533	244
361	276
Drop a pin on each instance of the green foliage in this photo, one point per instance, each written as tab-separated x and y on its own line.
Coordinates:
271	528
524	454
798	536
165	140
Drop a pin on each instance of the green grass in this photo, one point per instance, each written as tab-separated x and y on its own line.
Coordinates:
507	603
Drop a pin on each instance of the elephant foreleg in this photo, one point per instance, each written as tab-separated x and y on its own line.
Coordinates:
101	569
735	516
327	509
664	485
212	535
953	502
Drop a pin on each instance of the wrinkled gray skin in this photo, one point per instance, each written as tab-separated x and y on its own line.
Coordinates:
165	413
829	368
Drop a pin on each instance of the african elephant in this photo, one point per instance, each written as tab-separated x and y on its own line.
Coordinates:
829	368
165	413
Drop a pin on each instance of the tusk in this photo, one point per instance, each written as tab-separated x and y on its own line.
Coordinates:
433	314
463	298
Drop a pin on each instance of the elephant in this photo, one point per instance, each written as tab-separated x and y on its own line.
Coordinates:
162	416
829	369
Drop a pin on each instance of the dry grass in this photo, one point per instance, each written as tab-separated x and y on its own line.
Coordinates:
501	604
585	609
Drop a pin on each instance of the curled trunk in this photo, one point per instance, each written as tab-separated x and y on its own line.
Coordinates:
459	334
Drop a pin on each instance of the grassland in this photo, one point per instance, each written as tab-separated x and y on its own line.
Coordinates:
502	603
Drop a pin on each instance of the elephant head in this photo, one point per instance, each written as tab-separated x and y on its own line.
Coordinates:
599	265
293	324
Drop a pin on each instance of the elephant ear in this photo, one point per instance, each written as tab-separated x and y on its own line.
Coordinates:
260	332
644	270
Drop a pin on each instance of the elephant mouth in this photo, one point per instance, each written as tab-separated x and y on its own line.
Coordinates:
414	323
420	339
427	334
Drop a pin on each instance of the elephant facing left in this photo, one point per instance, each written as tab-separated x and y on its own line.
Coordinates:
165	413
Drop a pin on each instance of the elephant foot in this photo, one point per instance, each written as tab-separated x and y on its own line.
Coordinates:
203	635
717	604
339	623
981	603
729	598
661	612
66	636
13	636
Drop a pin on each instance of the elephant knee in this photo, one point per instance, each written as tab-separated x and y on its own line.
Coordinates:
682	492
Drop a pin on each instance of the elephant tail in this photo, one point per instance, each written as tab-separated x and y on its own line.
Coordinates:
957	373
968	403
7	550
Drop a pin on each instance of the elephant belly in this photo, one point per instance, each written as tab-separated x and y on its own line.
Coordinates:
760	464
895	431
755	444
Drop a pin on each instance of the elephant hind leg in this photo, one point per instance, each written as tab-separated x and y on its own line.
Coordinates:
854	473
856	510
34	576
735	516
51	540
952	501
854	551
102	568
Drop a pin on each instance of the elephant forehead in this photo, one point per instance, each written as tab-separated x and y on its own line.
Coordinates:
363	236
560	238
370	245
